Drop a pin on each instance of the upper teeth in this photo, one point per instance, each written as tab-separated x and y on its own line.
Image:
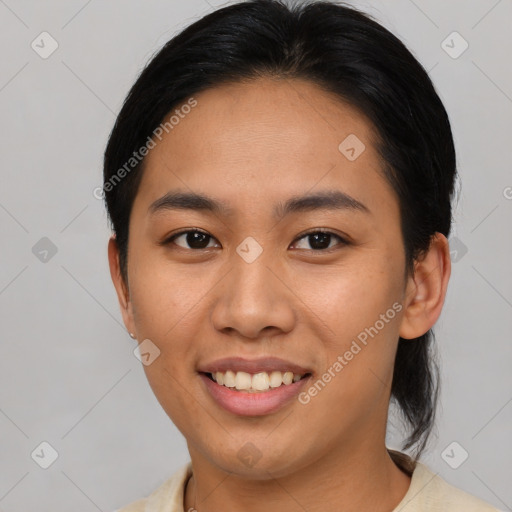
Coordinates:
259	381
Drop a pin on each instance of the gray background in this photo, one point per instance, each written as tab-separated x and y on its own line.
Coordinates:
68	373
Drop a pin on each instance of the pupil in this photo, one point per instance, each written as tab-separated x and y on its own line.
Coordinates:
197	240
319	240
200	240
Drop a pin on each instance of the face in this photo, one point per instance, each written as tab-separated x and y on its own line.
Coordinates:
318	283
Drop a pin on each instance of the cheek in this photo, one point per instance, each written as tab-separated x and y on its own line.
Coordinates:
161	293
168	306
357	320
358	330
348	299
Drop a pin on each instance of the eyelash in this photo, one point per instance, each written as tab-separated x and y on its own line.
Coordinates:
342	241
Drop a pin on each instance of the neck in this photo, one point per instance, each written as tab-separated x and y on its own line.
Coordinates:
357	481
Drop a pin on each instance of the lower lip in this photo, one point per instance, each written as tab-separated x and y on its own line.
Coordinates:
253	404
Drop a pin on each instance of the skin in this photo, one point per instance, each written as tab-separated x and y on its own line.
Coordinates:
253	145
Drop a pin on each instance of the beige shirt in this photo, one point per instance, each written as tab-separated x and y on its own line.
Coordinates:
427	492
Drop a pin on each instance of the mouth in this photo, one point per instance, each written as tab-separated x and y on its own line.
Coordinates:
260	382
245	394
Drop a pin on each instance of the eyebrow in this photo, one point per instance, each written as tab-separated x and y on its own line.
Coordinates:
324	200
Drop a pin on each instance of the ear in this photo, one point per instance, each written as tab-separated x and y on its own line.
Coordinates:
426	289
123	294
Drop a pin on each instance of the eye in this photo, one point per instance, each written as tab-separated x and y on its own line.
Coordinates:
194	238
320	240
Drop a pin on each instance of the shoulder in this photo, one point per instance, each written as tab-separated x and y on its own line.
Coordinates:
430	492
136	506
168	497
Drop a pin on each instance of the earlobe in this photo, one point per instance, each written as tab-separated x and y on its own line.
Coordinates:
120	285
426	289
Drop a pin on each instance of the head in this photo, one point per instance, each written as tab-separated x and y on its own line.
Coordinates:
312	130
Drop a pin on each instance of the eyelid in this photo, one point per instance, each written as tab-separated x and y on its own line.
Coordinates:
343	239
168	239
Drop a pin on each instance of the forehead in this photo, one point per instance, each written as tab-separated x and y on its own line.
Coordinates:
266	137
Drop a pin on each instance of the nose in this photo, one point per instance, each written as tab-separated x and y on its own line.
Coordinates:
254	300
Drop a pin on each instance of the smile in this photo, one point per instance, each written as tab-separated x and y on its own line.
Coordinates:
256	383
253	395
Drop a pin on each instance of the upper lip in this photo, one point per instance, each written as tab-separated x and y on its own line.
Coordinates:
263	364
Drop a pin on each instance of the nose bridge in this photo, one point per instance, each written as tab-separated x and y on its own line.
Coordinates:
253	280
252	298
250	262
